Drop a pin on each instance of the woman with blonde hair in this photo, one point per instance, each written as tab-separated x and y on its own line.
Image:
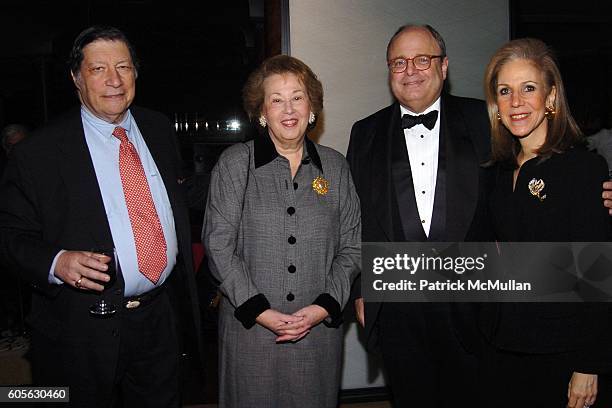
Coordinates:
548	188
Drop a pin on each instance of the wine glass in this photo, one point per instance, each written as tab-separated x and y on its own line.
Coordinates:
102	307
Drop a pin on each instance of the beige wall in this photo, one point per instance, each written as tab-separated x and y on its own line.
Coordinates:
344	42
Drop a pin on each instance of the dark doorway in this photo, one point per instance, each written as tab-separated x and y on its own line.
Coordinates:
581	34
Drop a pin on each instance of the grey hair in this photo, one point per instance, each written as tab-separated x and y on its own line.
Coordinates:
434	33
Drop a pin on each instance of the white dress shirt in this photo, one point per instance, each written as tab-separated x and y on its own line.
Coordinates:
423	146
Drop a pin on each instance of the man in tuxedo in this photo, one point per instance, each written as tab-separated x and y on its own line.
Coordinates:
416	169
106	175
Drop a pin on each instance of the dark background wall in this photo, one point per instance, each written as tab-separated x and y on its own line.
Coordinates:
194	56
581	34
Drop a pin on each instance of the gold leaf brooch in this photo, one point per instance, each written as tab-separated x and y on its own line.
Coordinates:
535	188
320	185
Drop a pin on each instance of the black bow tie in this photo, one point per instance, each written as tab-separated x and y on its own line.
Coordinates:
428	120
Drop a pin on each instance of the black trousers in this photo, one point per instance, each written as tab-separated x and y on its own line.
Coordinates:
425	363
145	372
604	393
512	379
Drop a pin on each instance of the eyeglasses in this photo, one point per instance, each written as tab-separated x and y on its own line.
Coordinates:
420	63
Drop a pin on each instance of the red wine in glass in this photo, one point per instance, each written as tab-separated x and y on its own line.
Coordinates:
102	307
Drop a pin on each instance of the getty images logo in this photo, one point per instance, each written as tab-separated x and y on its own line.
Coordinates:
411	264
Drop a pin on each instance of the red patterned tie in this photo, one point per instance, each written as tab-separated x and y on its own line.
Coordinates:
148	233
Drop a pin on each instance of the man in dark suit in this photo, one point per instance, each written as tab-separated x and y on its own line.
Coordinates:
416	169
104	176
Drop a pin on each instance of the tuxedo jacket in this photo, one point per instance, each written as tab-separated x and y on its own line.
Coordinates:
51	201
379	163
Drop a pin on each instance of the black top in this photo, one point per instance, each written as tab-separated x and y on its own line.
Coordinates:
563	204
570	207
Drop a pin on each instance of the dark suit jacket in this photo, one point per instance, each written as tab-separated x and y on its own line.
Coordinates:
571	212
51	201
464	144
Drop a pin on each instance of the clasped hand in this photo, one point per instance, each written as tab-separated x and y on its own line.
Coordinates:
292	327
581	390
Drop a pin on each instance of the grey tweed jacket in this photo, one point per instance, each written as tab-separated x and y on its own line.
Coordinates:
274	241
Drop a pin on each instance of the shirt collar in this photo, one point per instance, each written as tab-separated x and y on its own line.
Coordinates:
433	106
265	152
105	128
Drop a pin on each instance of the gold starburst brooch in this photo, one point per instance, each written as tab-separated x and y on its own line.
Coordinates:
320	185
535	188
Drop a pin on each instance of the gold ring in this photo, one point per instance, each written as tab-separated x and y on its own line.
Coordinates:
77	284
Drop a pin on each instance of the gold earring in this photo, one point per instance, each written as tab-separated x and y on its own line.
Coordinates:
550	112
262	121
311	118
498	116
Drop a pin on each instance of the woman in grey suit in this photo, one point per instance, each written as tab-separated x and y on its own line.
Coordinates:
282	231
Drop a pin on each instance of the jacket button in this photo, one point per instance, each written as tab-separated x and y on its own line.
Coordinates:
290	210
295	186
118	292
290	297
291	240
291	268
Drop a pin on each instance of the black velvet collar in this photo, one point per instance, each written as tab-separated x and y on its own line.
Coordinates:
265	151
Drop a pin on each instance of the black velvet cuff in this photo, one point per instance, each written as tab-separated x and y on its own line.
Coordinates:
327	302
249	310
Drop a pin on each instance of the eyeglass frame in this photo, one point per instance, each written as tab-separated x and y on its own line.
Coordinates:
431	57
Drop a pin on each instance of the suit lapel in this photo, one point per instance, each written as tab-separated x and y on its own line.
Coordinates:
462	171
437	228
164	152
408	226
381	189
158	147
77	170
